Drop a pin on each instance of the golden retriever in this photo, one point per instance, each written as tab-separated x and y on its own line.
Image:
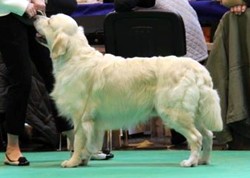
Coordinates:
100	92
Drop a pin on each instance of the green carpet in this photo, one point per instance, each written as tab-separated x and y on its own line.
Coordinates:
132	164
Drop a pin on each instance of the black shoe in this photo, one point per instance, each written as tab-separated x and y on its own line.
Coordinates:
109	156
102	156
22	161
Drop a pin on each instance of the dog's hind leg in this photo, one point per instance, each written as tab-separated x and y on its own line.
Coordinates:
95	139
182	122
98	139
87	141
207	143
79	142
194	140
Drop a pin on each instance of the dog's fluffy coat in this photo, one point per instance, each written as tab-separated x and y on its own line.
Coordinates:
100	92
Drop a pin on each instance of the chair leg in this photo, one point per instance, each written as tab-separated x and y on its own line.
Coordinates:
60	143
125	136
109	140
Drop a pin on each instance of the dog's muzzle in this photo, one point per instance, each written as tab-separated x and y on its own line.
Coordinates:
40	38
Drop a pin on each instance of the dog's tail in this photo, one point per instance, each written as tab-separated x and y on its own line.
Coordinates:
209	109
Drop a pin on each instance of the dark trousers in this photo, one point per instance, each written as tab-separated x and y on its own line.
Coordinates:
19	49
15	52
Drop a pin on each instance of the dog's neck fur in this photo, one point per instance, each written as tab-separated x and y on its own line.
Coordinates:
85	52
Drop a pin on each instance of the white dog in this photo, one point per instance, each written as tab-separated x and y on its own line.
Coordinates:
100	92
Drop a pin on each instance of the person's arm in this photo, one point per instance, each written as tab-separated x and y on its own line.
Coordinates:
15	6
125	5
39	4
236	6
238	9
128	5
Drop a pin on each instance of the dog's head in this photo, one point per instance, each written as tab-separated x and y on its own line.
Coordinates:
55	32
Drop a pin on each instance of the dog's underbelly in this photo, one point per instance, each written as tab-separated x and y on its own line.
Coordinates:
123	118
114	111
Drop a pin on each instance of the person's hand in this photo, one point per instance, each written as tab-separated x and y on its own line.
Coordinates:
39	4
239	9
31	10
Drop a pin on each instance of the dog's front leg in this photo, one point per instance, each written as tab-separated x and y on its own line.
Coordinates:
76	159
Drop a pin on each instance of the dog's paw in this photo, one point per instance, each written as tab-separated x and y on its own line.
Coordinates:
69	164
84	162
188	163
203	162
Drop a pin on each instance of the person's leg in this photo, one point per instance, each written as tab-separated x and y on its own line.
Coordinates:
13	151
14	49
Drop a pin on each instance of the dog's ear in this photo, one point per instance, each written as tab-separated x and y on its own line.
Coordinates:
59	46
